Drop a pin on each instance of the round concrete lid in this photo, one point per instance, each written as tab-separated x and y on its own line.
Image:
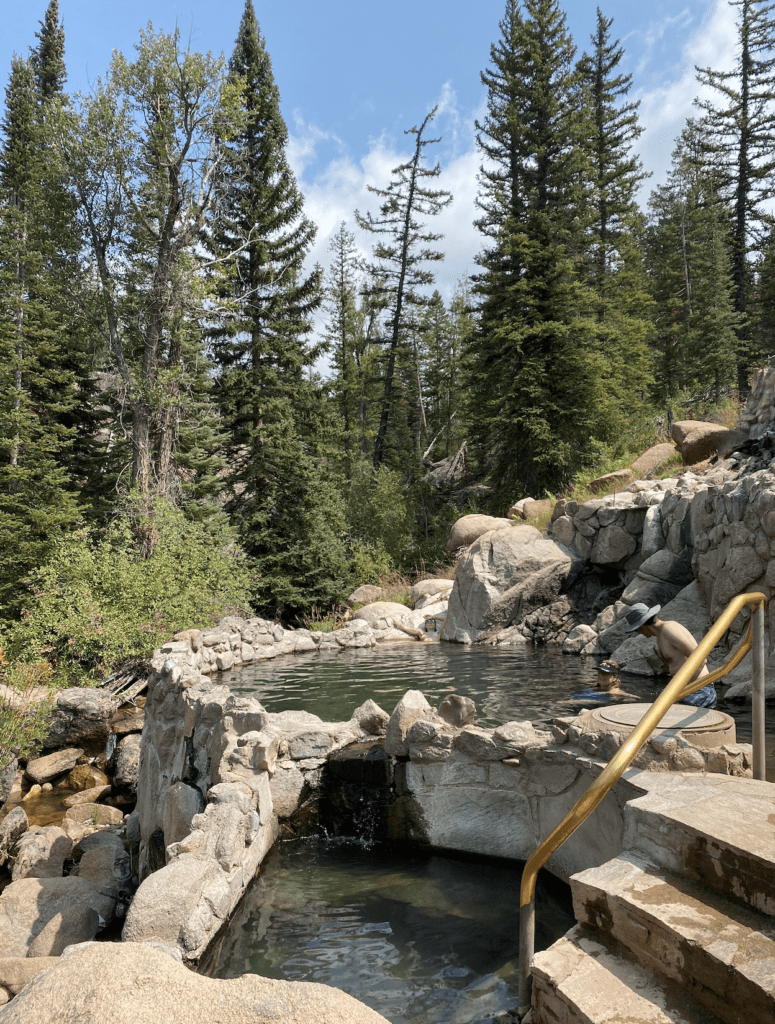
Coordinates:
679	716
701	726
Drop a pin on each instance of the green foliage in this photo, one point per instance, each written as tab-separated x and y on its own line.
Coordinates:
369	562
379	515
97	601
24	711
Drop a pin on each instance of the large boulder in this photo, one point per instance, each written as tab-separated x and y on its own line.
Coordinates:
134	983
469	528
365	594
81	717
658	580
28	905
652	458
505	575
41	853
697	440
372	613
430	588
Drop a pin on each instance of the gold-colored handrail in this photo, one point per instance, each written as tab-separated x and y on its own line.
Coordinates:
681	685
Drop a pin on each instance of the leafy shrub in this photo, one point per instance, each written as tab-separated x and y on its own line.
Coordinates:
25	707
97	601
369	563
379	515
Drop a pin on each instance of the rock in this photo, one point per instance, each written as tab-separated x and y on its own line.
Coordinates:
729	441
652	458
702	443
167	899
467	529
577	639
372	613
688	607
429	741
42	769
412	706
639	656
371	718
503	577
531	508
108	868
428	588
457	710
12	828
563	531
286	786
81	716
658	580
618	479
17	972
95	841
87	796
128	720
96	814
28	905
41	853
181	805
70	926
127	765
144	986
192	636
559	508
365	594
85	776
613	545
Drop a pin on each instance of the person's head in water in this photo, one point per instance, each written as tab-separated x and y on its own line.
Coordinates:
608	675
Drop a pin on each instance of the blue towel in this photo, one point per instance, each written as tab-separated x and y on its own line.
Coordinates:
592	695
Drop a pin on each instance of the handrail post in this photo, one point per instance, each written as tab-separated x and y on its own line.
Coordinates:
527	934
757	693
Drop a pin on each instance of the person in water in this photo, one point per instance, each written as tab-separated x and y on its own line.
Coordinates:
607	687
675	643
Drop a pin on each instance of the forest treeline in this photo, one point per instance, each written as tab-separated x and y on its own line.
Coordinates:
168	448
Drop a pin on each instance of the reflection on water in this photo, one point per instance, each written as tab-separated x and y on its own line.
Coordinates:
506	684
417	937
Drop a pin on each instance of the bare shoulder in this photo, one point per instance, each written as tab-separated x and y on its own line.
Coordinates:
678	636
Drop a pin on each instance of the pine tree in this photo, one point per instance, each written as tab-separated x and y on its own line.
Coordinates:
345	337
48	59
38	501
281	496
397	265
739	136
537	410
689	252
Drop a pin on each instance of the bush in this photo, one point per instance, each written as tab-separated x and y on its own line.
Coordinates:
97	601
25	707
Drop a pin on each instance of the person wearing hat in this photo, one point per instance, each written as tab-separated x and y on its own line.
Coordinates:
675	643
607	687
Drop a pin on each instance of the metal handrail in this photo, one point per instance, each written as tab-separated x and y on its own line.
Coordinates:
681	685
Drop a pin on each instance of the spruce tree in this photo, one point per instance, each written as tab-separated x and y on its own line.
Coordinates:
397	267
537	410
38	501
280	495
739	133
344	335
689	252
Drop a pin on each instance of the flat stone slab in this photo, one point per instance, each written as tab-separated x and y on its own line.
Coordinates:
702	727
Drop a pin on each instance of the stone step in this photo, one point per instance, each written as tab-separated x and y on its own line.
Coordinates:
579	980
722	836
721	951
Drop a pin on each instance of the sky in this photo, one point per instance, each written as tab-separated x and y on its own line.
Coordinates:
354	76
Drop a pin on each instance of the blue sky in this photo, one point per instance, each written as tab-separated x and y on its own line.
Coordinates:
354	75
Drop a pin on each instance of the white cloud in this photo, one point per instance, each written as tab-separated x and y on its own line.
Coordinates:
665	108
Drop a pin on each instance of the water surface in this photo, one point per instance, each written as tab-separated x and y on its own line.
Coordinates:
422	939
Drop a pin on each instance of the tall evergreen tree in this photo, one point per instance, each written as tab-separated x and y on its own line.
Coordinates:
278	488
536	406
48	59
740	134
345	337
38	385
397	267
689	252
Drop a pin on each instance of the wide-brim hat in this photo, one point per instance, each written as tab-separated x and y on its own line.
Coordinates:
611	668
639	615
